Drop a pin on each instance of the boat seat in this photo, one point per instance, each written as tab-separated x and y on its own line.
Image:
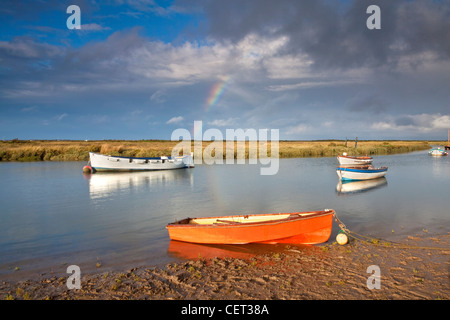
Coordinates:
227	221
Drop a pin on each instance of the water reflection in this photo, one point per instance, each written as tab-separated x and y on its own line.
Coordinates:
104	184
191	251
352	187
186	250
440	167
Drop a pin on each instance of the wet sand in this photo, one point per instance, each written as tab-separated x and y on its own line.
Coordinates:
329	272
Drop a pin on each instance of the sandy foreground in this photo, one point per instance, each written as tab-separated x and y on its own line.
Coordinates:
417	271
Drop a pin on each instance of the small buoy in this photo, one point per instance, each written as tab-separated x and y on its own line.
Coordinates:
341	238
87	169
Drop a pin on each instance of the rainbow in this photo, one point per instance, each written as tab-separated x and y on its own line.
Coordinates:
216	93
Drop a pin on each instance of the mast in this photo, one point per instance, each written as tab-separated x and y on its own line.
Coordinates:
447	147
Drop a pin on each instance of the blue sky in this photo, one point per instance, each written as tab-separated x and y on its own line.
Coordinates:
140	69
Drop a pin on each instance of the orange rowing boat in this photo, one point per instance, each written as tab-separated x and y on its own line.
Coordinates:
299	227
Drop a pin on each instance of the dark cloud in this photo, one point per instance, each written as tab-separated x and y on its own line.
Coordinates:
373	103
335	35
102	58
21	51
405	121
25	59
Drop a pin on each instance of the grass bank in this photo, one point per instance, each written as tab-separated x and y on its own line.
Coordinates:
54	150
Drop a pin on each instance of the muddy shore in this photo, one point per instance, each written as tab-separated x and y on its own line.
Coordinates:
418	271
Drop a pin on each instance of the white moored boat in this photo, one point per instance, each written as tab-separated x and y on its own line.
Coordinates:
360	173
349	160
100	162
437	152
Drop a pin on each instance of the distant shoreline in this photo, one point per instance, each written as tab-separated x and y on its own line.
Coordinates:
78	150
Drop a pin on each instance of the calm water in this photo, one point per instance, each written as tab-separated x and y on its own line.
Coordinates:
53	216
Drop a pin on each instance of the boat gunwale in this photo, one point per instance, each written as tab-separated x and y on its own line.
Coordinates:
361	169
356	157
103	169
139	158
292	217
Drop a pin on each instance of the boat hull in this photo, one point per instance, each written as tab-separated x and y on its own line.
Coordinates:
100	162
346	160
302	228
438	153
354	173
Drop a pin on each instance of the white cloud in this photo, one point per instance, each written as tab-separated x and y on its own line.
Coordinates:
159	96
62	116
29	109
383	125
93	27
328	124
127	62
420	122
301	128
175	120
192	62
441	122
223	122
288	67
305	85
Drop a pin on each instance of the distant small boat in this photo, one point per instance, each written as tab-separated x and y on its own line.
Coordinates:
349	160
100	162
360	173
299	227
437	152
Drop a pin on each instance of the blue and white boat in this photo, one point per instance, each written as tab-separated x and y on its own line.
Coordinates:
360	172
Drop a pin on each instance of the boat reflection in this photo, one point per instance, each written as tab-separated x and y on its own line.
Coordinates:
351	187
103	184
191	251
440	168
188	251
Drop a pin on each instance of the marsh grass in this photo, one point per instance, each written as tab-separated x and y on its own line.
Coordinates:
52	150
300	149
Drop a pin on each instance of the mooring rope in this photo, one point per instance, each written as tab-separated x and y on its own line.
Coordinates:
377	241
